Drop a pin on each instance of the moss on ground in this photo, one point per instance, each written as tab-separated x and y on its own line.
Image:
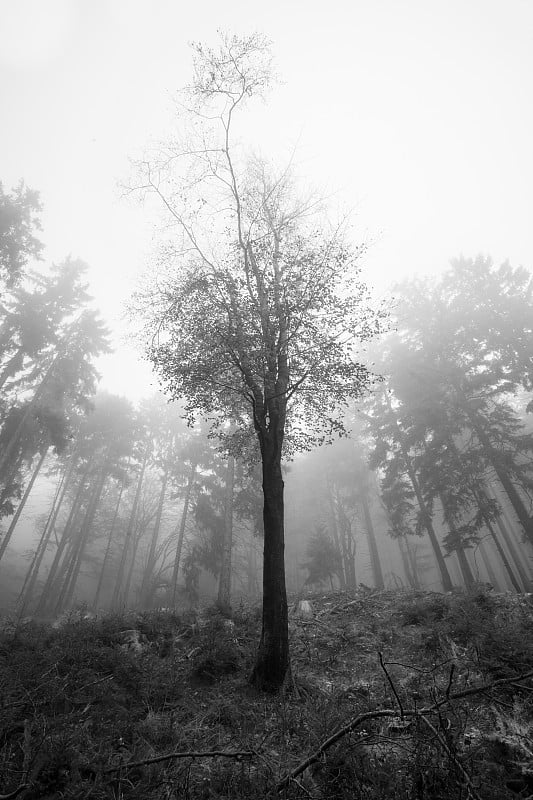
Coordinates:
84	715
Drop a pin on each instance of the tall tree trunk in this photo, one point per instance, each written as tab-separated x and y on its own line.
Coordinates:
335	532
108	550
18	512
26	593
13	366
69	583
181	534
493	578
44	600
409	569
492	457
115	602
379	583
428	525
426	515
272	662
224	584
517	559
150	563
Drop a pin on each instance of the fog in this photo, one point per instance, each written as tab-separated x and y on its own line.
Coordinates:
409	464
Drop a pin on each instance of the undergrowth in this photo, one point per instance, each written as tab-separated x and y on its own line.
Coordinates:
86	714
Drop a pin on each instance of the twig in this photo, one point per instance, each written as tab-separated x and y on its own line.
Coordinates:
442	741
186	754
390	712
383	667
450	679
15	792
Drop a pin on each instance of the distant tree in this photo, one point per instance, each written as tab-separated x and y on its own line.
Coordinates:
323	562
19	221
266	311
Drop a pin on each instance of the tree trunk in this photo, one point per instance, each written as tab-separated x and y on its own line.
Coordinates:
69	583
18	512
426	516
26	593
44	600
335	532
150	563
379	583
272	662
409	569
108	549
493	579
129	534
181	534
428	524
224	584
492	457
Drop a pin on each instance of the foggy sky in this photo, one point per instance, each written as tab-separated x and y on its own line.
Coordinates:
418	114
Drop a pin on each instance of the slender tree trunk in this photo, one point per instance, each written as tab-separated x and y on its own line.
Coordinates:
150	563
69	584
377	572
410	574
428	524
493	579
44	600
426	516
26	593
516	557
272	663
108	549
136	540
181	534
13	366
224	584
492	457
18	512
129	533
335	532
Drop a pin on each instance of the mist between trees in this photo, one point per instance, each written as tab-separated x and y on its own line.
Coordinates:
335	443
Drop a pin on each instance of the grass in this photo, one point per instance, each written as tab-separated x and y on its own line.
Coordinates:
83	715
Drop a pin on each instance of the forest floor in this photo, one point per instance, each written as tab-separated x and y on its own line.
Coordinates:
394	694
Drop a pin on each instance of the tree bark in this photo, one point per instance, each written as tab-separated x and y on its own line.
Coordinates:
129	533
20	508
147	575
26	593
181	534
372	544
335	532
108	549
224	584
272	662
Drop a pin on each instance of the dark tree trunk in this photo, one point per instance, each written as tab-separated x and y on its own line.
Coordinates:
18	512
116	601
69	583
224	584
272	662
26	593
335	532
493	579
428	524
377	572
409	567
150	562
181	534
108	549
492	457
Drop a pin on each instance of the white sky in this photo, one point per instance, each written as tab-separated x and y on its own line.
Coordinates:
420	112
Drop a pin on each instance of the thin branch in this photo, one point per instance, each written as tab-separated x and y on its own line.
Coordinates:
192	754
390	712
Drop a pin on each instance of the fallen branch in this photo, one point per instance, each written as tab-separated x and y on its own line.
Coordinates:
391	712
185	754
15	792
